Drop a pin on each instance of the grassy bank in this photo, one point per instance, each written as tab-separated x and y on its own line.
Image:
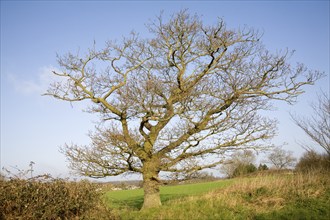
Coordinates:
276	196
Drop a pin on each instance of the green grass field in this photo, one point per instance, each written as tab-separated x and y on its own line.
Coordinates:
134	198
298	196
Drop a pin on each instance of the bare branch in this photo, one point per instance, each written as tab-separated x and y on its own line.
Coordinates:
317	126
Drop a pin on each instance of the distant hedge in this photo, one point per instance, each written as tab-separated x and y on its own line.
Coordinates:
243	169
312	161
49	198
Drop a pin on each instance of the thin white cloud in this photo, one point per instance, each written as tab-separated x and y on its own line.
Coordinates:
38	85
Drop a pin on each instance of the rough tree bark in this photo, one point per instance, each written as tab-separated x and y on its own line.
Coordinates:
151	184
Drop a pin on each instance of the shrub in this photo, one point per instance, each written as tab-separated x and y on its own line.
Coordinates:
48	198
262	167
312	161
239	163
243	169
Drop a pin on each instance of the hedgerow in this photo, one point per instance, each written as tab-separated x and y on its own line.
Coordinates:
49	198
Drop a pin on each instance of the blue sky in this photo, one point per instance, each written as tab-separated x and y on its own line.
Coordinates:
33	127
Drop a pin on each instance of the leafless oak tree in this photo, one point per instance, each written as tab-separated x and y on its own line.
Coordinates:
317	126
170	101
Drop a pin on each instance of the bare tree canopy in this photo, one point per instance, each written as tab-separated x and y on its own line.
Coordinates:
281	158
317	126
170	101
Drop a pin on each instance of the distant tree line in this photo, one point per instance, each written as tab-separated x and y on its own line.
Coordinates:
243	162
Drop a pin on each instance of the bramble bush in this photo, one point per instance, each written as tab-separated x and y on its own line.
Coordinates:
44	197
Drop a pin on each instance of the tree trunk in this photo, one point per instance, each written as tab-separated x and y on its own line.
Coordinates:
151	187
